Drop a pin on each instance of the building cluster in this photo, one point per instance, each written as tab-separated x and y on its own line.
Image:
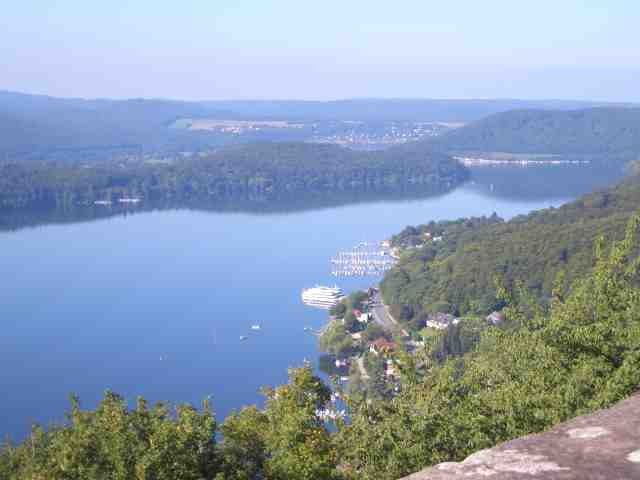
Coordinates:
236	127
441	321
417	241
384	348
362	135
521	162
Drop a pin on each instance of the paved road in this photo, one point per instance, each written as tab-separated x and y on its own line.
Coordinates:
381	314
363	372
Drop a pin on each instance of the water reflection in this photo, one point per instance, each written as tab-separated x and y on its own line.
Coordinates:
17	219
514	183
536	182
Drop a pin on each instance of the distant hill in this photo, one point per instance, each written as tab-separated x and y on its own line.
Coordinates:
377	109
611	130
33	125
42	127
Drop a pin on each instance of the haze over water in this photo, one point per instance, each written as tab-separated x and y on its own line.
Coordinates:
154	304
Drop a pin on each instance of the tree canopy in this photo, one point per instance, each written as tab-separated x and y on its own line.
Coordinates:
458	270
605	130
260	172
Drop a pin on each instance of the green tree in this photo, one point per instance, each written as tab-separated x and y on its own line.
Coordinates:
299	444
117	443
373	332
244	449
338	310
351	323
337	340
288	439
357	298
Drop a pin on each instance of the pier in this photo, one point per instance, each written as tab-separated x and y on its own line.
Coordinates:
365	259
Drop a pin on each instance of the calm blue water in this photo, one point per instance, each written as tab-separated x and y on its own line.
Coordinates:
153	304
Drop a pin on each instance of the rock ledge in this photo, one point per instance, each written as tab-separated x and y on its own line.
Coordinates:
604	445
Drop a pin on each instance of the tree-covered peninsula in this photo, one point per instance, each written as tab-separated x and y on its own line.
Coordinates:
260	172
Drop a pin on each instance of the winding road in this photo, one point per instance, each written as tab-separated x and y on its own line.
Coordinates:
381	313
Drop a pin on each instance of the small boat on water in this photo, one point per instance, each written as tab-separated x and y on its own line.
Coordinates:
129	200
255	327
242	337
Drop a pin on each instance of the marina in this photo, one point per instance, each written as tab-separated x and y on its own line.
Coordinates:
365	259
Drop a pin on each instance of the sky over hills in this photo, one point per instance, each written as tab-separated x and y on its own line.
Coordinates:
200	49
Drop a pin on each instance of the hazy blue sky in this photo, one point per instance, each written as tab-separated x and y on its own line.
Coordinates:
212	49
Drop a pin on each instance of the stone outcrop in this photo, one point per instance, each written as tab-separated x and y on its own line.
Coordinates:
603	445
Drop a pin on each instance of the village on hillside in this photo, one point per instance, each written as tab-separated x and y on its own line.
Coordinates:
367	344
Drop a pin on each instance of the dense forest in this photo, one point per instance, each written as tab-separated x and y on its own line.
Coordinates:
257	172
593	131
453	266
540	367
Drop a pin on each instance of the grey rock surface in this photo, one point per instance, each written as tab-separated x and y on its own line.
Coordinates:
602	446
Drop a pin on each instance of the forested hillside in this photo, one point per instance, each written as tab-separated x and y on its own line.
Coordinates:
257	172
34	127
541	367
594	131
457	271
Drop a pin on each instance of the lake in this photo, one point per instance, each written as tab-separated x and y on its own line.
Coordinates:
154	303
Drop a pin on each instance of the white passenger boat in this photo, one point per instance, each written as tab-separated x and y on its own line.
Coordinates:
322	297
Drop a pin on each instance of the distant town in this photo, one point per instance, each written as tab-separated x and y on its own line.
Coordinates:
348	133
363	135
516	161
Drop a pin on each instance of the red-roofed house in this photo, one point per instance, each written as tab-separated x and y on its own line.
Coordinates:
381	345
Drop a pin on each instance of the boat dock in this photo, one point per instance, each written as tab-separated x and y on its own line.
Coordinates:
365	259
